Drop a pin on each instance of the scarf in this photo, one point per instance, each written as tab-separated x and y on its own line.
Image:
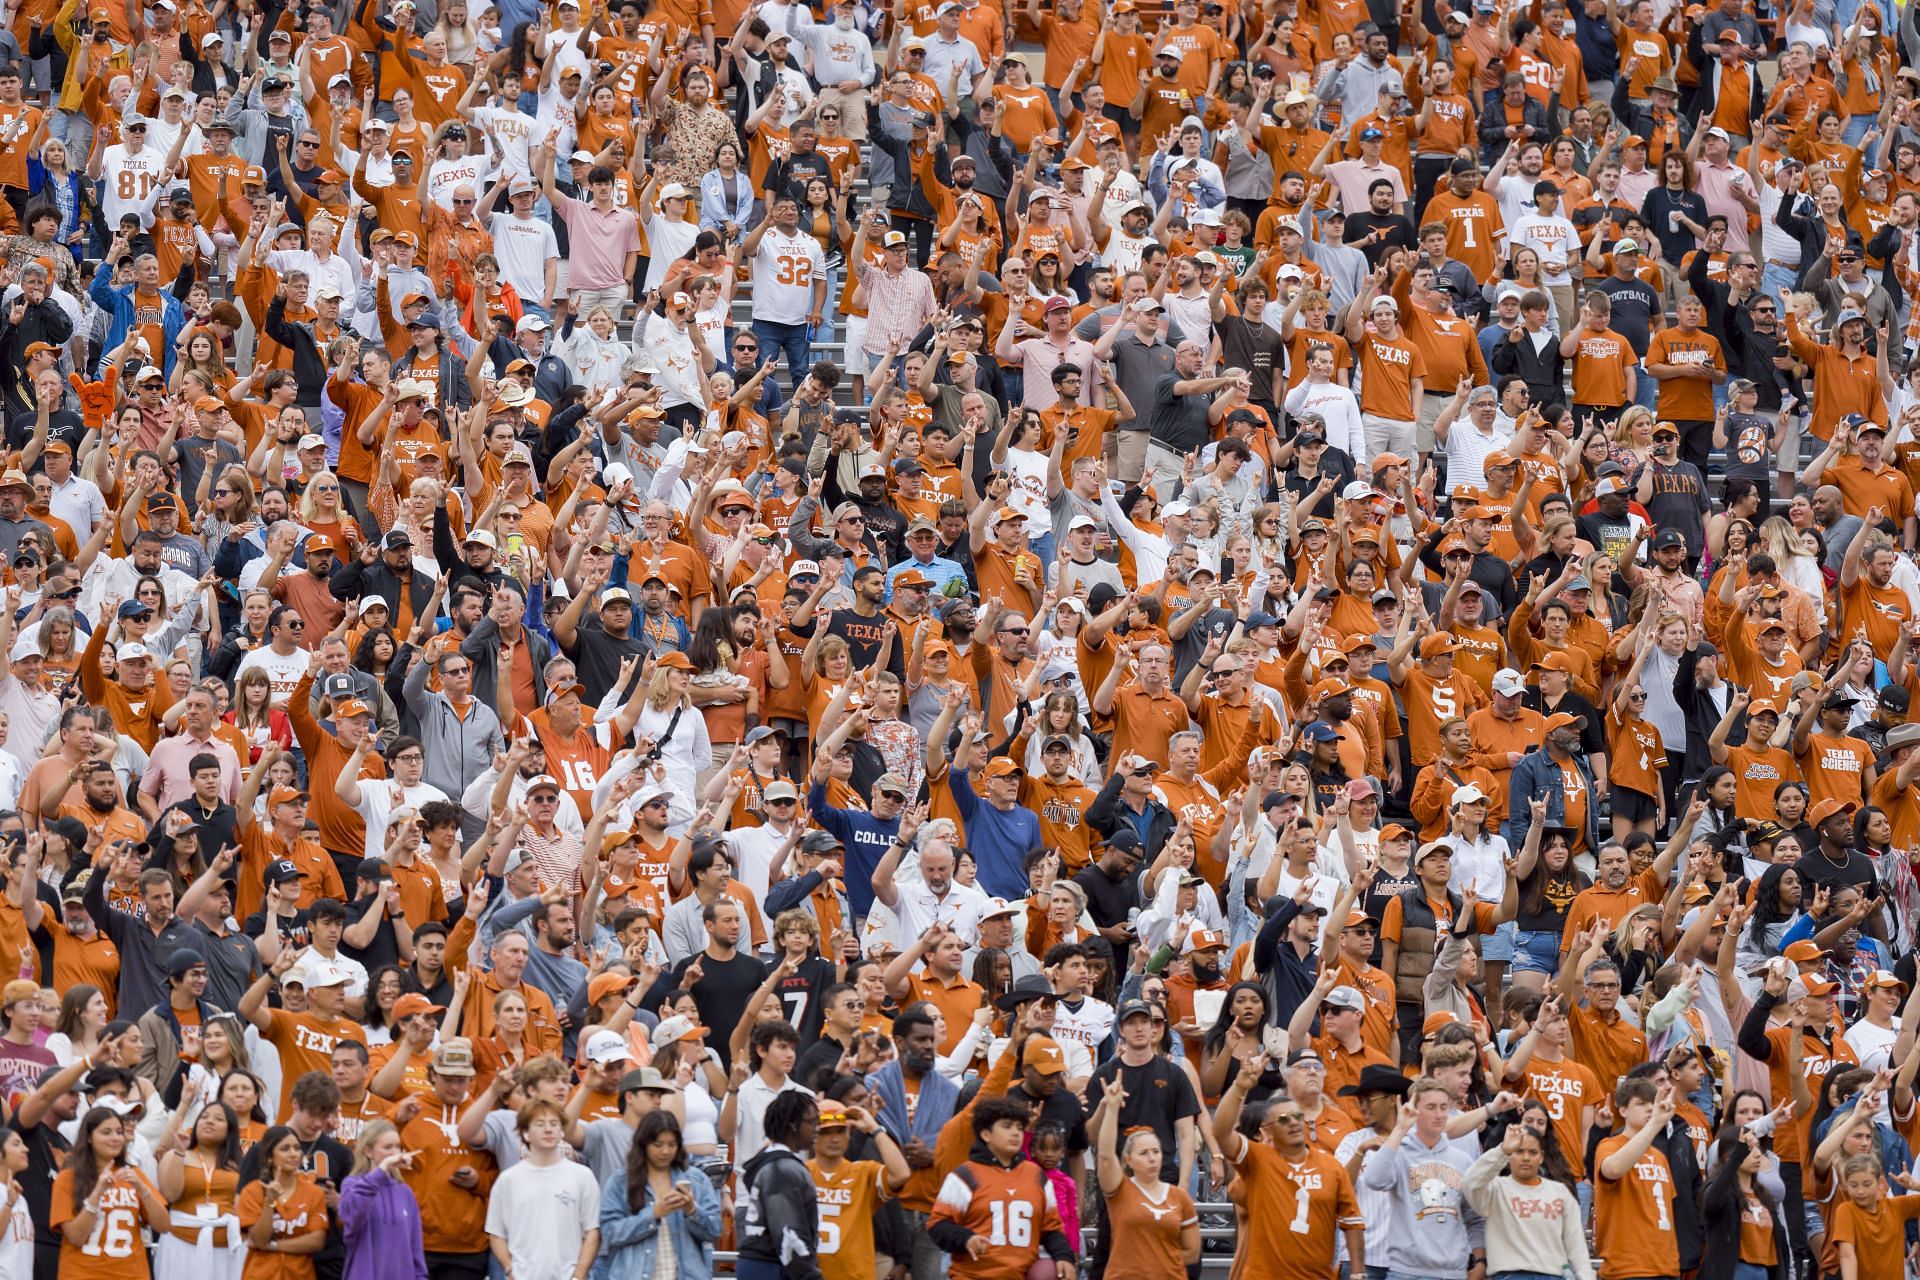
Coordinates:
937	1098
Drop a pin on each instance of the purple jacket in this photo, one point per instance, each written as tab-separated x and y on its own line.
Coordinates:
380	1221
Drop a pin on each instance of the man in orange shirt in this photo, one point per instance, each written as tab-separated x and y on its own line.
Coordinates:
1146	711
306	1041
1836	765
1472	218
1869	601
1393	372
1433	691
1687	362
1854	462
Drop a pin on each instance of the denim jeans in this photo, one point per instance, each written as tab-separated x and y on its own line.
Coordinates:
789	341
1646	389
1775	282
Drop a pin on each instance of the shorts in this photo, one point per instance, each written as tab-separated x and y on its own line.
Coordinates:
1634	806
856	333
794	729
1497	947
1535	951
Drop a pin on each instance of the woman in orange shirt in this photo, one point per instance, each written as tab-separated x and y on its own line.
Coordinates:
1635	755
322	512
284	1214
100	1203
199	1176
507	1046
1149	1243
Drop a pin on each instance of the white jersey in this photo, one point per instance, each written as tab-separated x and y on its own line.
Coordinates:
283	673
1089	1025
784	269
127	178
667	239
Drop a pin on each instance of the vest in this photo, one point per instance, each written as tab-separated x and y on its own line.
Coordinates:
1419	945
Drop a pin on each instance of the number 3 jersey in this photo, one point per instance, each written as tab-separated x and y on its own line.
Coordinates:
1013	1207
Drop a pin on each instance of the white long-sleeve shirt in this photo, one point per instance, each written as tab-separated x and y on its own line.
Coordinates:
1150	550
1341	409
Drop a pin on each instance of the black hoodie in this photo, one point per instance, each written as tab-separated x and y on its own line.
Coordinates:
780	1216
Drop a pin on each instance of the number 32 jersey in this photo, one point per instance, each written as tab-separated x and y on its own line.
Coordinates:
784	270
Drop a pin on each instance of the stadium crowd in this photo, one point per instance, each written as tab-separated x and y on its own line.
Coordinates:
1007	639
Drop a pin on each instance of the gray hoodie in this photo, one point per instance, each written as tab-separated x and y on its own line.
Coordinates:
1434	1229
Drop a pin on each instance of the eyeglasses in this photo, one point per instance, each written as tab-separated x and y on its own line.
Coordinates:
411	757
746	348
457	671
779	802
295	624
1638	695
853	519
510	515
829	115
1013	631
458	201
304	143
326	488
223	493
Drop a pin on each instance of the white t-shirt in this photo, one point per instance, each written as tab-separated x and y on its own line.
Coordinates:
282	672
379	798
784	268
515	130
1554	239
1871	1044
667	239
543	1212
524	247
444	175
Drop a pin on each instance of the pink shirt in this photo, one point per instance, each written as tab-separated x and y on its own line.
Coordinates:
598	244
167	779
1716	186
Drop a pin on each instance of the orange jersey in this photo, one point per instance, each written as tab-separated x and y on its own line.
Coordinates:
1013	1208
850	1198
1566	1089
1304	1206
1633	1216
114	1250
1431	703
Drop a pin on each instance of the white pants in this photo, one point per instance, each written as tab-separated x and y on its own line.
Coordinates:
1388	435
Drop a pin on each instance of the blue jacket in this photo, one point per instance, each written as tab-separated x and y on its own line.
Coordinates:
1538	774
118	304
866	838
628	1240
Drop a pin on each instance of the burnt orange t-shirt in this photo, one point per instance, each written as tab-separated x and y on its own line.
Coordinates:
1686	399
1388	367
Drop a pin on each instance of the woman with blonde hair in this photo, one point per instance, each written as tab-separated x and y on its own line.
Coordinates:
322	511
58	642
678	732
1796	565
1631	444
379	1216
